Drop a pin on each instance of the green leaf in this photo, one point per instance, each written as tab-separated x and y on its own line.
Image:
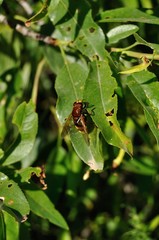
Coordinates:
15	202
121	32
100	92
42	12
77	24
144	166
127	15
69	87
12	227
2	123
89	152
1	153
142	41
26	173
51	54
136	234
57	10
137	68
68	17
26	120
43	207
7	62
2	226
1	2
91	40
145	88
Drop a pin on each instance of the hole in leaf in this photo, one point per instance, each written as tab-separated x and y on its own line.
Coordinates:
10	185
113	94
81	37
111	124
68	29
95	57
108	114
92	29
85	45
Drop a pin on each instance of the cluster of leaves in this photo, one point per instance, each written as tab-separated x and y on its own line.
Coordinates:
50	58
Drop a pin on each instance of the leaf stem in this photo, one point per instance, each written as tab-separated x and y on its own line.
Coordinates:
136	54
117	161
36	81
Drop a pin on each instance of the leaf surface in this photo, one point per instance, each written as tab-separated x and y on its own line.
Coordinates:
100	92
121	32
91	40
25	174
39	15
41	205
12	227
15	202
26	120
69	86
127	15
145	88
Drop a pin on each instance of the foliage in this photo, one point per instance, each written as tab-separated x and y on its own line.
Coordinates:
59	182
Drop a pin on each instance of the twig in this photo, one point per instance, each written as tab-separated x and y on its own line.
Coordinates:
37	36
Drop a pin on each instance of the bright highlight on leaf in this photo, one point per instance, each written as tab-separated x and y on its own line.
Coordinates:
121	32
143	66
100	92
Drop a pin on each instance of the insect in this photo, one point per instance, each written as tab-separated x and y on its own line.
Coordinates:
79	116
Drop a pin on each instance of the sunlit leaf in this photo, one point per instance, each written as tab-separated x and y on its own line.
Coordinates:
91	40
43	207
26	173
54	59
153	46
57	10
69	87
138	68
15	202
68	17
145	88
100	92
12	227
88	152
26	120
69	91
120	32
127	15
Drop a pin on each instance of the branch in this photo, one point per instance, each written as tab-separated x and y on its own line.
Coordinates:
37	36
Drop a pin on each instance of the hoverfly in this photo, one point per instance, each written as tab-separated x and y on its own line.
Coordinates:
79	116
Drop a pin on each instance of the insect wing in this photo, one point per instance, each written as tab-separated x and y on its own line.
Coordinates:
67	126
84	128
